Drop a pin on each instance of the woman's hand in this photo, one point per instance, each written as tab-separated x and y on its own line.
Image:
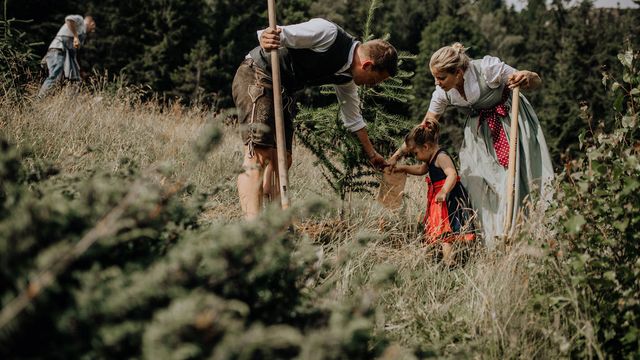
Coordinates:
270	39
430	117
525	79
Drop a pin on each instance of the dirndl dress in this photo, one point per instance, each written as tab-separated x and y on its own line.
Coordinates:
481	173
451	220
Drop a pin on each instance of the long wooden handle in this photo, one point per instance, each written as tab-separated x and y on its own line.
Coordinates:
513	152
281	147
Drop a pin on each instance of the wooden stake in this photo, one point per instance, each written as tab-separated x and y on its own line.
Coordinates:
281	146
513	152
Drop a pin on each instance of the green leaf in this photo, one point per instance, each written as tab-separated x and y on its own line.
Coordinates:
635	91
621	225
631	336
610	275
575	223
629	121
626	59
617	104
630	184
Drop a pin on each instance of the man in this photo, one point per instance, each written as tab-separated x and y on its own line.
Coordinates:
313	53
61	58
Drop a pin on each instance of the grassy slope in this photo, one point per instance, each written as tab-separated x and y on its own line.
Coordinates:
483	309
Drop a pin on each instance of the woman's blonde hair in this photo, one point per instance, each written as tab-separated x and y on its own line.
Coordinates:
450	58
427	133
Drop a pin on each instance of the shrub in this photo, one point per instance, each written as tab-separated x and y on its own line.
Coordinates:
599	208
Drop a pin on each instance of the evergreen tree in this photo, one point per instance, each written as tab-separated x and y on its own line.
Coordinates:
404	20
496	26
573	80
191	78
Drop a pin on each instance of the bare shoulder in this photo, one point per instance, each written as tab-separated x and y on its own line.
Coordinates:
444	161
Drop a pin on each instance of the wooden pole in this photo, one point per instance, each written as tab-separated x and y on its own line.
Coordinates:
513	152
281	146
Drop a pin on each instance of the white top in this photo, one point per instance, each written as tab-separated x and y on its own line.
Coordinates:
318	35
64	31
495	73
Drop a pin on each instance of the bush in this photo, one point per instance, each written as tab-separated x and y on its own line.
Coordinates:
155	283
599	208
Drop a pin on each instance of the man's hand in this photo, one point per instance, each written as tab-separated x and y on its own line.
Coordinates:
76	42
270	39
377	160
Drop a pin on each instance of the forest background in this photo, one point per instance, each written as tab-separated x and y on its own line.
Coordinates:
189	50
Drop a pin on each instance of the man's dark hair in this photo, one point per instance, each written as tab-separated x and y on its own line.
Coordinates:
383	55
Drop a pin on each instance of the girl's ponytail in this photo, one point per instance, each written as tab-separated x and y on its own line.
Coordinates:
427	132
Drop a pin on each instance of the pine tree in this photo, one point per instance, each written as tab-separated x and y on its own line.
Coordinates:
191	78
573	81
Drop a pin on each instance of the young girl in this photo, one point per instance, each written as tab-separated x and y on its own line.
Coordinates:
449	218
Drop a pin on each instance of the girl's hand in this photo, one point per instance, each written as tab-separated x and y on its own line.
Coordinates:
391	164
398	168
441	197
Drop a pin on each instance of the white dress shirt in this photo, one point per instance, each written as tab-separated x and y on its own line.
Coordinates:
318	35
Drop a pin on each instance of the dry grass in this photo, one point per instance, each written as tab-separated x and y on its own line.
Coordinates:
480	310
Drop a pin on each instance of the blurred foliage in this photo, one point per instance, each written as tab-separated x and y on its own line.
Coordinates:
598	244
161	285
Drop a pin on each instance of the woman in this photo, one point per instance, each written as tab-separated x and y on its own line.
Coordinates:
481	88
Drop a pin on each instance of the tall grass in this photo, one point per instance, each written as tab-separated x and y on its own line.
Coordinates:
484	309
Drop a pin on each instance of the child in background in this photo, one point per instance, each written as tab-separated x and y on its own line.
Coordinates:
449	217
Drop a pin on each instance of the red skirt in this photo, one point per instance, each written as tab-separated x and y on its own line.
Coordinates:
450	220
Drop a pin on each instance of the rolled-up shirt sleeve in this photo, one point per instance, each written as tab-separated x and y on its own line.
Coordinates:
439	101
350	106
496	72
315	34
75	18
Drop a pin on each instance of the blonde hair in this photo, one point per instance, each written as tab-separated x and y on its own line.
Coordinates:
427	133
450	58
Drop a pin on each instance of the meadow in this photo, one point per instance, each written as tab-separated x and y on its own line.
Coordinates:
488	308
